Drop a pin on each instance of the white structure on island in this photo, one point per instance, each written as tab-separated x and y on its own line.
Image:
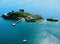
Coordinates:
23	19
5	14
30	17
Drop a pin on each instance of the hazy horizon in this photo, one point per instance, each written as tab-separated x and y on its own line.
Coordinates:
47	8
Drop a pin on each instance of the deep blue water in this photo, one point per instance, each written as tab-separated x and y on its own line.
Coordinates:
35	33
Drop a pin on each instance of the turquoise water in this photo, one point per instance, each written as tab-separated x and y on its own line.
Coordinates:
35	33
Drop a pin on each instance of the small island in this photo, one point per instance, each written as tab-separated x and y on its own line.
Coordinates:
52	19
18	15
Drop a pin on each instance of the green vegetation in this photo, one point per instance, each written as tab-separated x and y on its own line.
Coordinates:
17	15
51	19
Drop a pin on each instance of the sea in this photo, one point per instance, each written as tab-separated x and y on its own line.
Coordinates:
34	32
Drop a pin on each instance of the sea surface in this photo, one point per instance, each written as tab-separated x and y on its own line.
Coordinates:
34	32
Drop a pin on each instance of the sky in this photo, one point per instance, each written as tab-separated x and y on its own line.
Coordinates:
35	2
45	7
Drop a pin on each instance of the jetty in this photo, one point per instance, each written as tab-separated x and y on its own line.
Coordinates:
13	24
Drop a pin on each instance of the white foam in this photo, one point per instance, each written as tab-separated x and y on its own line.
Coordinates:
50	39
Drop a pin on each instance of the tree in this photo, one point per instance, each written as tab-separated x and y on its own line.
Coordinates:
21	10
12	10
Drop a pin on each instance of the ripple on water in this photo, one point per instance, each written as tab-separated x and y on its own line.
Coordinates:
50	39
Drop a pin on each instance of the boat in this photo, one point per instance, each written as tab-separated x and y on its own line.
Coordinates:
24	41
13	24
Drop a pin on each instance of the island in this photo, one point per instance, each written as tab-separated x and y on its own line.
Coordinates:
18	15
28	17
52	19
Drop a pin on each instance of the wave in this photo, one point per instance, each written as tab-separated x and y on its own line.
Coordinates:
48	38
